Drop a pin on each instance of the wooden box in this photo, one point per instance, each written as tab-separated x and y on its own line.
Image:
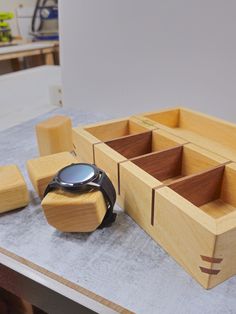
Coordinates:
175	175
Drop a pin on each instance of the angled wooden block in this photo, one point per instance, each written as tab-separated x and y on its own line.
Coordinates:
13	189
41	170
70	212
54	135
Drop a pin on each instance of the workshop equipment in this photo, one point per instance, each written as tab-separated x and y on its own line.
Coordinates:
47	28
5	29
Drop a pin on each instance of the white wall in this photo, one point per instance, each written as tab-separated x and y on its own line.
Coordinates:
127	56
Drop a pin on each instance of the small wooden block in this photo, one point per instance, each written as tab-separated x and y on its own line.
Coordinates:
13	189
41	170
69	212
54	135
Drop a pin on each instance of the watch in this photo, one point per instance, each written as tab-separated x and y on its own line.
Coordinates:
83	177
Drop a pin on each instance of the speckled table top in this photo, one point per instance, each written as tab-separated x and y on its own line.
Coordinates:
122	263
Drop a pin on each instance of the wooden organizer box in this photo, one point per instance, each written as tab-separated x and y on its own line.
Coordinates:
175	174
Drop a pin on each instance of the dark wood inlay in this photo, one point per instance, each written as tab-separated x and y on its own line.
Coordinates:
213	260
209	271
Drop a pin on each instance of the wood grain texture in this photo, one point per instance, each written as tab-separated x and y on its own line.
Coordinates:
162	165
136	189
162	140
169	118
132	145
200	188
184	232
54	135
115	128
208	132
13	189
224	248
41	170
178	162
83	144
108	160
70	212
144	143
178	184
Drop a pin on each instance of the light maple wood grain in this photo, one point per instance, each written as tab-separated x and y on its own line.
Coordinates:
54	135
108	160
137	193
70	212
13	189
177	181
85	139
41	170
211	133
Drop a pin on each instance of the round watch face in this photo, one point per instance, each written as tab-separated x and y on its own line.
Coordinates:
77	173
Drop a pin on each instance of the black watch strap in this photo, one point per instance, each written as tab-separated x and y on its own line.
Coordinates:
51	187
109	193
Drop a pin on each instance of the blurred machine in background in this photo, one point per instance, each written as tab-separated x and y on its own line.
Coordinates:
45	20
5	29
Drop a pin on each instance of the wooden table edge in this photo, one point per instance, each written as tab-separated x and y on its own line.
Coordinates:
59	284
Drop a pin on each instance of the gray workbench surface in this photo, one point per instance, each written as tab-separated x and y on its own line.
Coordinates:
122	263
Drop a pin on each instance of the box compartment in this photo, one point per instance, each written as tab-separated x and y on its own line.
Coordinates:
115	129
212	191
195	221
174	163
208	132
85	139
144	143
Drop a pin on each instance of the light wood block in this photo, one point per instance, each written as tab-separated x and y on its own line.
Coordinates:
13	189
42	170
54	135
84	139
70	212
